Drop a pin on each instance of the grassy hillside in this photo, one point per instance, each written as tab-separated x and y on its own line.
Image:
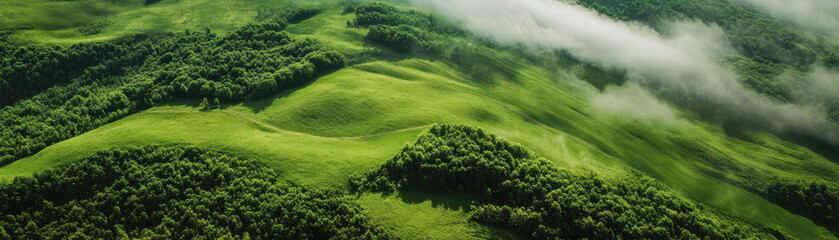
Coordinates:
354	119
59	22
351	130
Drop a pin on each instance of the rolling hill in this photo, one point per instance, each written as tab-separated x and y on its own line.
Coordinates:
349	121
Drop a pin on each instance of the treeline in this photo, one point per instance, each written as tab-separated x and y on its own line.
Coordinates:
53	93
818	201
173	193
403	30
531	196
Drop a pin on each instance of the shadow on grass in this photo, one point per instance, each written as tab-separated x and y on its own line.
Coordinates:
821	147
451	201
257	105
454	202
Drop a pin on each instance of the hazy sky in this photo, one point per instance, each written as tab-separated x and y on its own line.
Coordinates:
680	66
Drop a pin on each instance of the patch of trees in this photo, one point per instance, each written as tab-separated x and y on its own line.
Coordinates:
531	196
403	30
403	38
52	93
817	201
173	193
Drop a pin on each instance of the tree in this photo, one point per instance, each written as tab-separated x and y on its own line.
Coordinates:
216	103
832	60
205	105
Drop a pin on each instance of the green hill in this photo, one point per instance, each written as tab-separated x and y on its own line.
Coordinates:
348	121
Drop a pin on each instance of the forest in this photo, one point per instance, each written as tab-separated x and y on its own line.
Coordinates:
525	193
174	193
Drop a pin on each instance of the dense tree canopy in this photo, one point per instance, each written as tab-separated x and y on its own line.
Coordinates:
404	30
173	193
533	197
818	201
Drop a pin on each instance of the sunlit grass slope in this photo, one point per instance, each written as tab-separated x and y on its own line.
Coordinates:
45	21
442	216
355	119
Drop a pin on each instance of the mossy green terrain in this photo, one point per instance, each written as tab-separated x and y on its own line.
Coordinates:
423	215
355	119
58	22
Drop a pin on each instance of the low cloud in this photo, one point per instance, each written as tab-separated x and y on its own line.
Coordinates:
680	66
817	15
819	86
634	102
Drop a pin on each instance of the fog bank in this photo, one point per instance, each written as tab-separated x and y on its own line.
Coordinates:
680	66
817	15
624	101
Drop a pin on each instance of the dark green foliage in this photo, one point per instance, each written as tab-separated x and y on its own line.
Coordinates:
173	193
756	73
292	15
28	70
818	201
531	196
54	93
205	105
404	31
832	60
378	13
94	27
301	14
402	38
